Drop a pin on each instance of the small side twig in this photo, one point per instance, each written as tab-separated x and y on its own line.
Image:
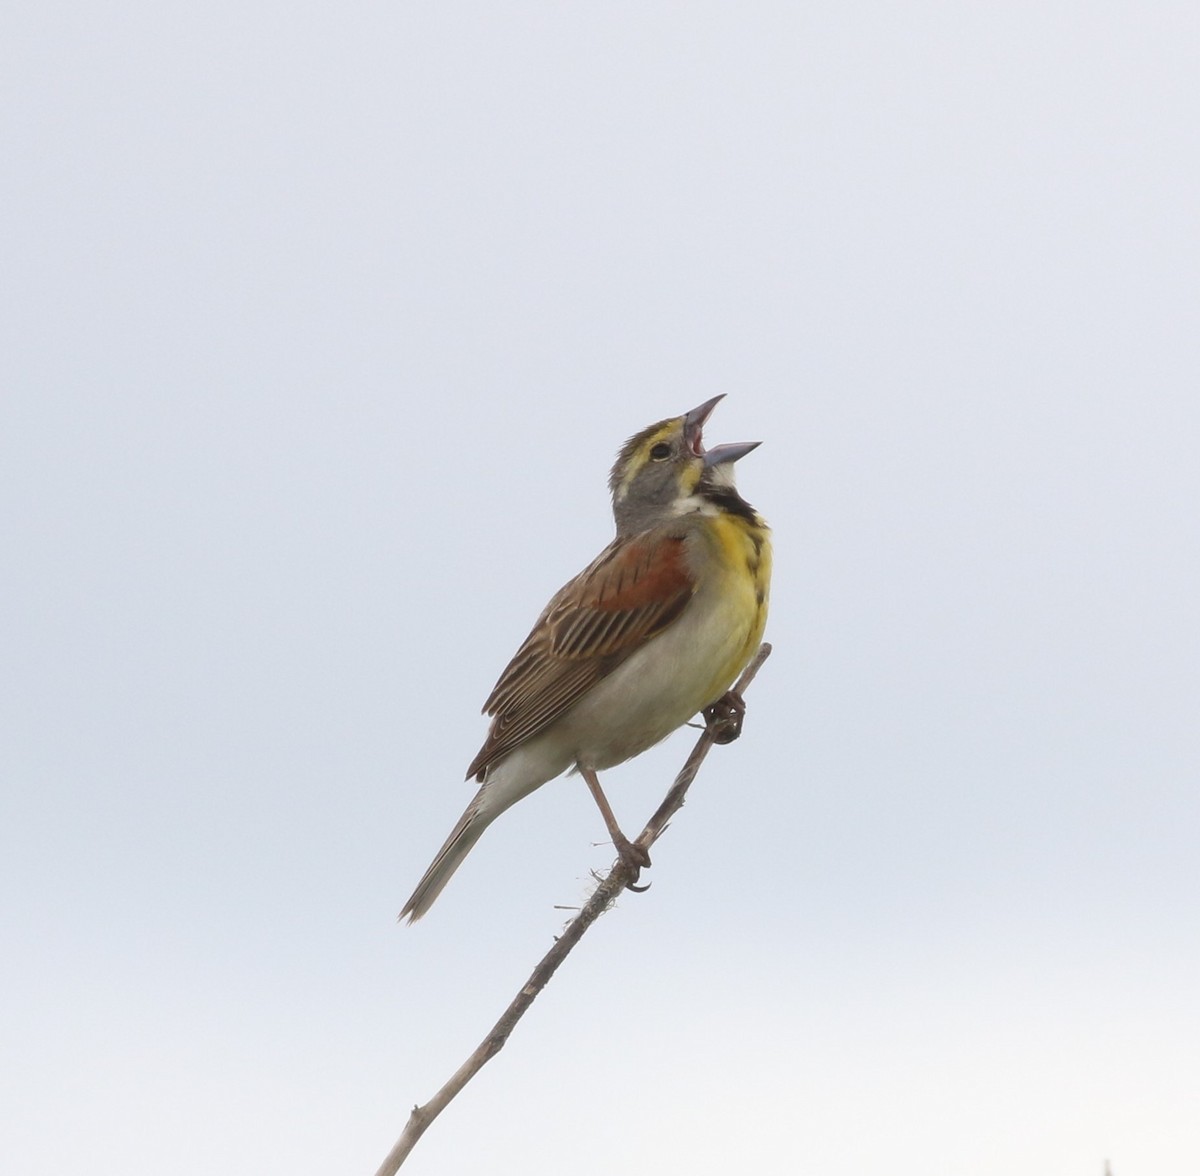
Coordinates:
618	878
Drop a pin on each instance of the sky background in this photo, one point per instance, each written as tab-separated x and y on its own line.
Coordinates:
321	326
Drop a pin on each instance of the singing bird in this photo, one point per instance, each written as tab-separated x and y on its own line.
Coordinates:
652	632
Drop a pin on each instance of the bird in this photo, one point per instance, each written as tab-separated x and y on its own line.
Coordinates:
652	632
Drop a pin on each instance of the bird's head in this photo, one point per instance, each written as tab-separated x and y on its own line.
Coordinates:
665	470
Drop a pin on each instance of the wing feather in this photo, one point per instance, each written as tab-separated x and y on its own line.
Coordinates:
629	594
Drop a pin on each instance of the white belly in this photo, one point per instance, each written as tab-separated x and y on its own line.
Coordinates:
660	687
652	693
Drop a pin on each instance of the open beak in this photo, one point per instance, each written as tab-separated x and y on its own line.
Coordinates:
724	454
693	424
693	428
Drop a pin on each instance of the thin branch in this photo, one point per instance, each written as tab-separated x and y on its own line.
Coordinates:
602	898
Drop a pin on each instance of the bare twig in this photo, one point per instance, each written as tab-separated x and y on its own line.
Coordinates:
618	879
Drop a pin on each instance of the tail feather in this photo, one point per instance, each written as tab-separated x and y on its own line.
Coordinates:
506	782
460	842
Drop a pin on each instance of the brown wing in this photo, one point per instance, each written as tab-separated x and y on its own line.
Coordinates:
633	591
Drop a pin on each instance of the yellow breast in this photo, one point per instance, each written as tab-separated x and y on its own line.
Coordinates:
741	572
692	662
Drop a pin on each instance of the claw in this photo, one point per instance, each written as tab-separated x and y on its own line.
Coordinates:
635	859
633	855
724	717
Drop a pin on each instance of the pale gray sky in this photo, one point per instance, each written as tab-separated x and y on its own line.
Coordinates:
321	326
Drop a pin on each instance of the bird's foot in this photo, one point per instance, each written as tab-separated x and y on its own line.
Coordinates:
635	859
724	717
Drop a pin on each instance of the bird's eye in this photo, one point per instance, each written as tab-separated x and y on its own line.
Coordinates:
660	452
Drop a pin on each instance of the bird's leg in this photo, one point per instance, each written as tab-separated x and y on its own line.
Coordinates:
724	717
634	856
